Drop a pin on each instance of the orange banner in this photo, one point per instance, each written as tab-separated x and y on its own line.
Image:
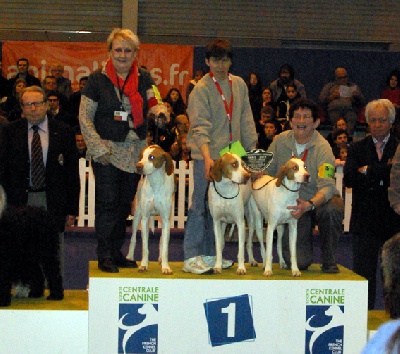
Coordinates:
170	65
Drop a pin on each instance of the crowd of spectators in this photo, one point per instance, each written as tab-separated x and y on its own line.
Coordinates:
341	103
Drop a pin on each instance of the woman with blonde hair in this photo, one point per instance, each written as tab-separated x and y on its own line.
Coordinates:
113	118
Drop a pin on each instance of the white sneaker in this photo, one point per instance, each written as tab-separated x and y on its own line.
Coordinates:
196	265
210	261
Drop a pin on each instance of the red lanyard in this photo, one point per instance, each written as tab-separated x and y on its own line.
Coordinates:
228	108
304	156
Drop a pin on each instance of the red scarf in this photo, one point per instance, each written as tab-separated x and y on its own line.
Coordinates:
130	90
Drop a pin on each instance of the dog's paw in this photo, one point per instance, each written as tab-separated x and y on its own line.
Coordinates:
166	271
253	263
268	273
142	269
55	297
217	270
241	271
283	265
296	273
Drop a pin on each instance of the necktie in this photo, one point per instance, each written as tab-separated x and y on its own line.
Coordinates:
379	152
37	165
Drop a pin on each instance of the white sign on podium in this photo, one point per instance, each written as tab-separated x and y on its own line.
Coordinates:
129	313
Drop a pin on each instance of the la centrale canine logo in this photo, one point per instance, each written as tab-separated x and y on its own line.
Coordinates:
138	320
324	321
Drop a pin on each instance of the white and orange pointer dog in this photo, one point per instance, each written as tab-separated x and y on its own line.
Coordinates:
273	196
154	197
228	196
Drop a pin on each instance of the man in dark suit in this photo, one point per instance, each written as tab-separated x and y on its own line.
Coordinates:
60	193
23	66
367	172
58	188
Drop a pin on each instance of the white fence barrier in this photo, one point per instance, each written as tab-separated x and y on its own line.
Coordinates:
183	195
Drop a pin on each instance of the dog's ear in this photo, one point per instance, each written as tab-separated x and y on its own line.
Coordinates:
169	164
141	153
216	171
281	174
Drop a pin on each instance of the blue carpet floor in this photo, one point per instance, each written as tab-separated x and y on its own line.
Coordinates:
80	248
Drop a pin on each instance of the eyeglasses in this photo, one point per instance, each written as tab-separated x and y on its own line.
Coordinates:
36	104
52	99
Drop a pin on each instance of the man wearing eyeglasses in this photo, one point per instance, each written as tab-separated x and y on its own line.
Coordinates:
63	83
58	112
59	191
367	171
319	201
342	99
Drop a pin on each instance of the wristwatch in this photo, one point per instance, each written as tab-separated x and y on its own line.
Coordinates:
312	204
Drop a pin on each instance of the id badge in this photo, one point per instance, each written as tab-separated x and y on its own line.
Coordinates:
121	116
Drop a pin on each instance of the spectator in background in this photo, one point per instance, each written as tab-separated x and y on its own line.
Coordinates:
267	97
340	124
392	90
285	77
174	98
23	66
198	74
283	106
367	171
182	124
342	99
58	112
340	137
5	89
11	106
387	338
266	137
75	98
267	114
49	83
80	143
255	94
179	150
63	84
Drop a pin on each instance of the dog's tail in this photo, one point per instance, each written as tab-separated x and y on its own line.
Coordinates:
3	200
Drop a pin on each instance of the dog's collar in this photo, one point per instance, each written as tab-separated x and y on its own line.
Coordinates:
291	190
213	182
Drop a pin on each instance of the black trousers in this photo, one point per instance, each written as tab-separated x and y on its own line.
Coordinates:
366	251
115	191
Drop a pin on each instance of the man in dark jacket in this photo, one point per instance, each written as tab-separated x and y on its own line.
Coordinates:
23	66
367	172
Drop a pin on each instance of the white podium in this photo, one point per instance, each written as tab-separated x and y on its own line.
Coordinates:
131	312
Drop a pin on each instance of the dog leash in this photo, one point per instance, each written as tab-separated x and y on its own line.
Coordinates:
273	179
283	184
213	182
